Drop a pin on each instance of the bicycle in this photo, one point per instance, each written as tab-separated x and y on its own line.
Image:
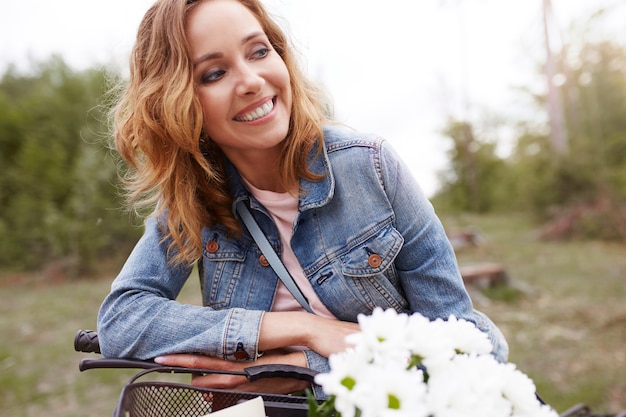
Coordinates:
156	398
168	399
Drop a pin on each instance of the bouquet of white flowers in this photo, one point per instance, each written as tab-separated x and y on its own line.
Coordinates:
405	365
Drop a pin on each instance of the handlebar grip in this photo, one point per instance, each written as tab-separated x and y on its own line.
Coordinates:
280	371
103	363
86	341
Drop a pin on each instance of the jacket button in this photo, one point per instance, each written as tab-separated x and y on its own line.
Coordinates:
374	260
240	353
212	246
263	261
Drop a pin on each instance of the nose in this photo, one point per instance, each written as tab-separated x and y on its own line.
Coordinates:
250	82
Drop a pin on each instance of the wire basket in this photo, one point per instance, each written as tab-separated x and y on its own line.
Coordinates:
170	399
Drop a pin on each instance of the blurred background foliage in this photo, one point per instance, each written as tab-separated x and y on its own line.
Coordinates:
578	192
58	182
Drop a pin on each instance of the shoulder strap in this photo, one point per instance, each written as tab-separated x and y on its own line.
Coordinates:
271	256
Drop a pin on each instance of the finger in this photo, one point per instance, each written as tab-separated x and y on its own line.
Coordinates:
190	361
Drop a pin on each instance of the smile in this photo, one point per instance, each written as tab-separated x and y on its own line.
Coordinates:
257	113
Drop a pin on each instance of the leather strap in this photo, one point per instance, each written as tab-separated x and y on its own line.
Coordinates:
271	256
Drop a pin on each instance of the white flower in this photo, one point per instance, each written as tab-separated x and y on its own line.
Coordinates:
468	386
428	340
467	338
459	377
478	385
378	390
439	341
383	335
375	388
398	392
520	390
346	369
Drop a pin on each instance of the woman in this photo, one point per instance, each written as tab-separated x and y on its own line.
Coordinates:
217	115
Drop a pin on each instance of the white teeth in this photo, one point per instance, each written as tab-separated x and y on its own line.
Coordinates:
258	112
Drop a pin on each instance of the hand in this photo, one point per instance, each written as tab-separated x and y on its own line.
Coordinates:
322	335
237	382
327	336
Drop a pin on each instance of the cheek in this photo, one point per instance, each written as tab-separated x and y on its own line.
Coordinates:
286	88
213	107
287	79
280	75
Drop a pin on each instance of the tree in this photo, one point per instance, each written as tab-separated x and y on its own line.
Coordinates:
585	187
58	182
474	181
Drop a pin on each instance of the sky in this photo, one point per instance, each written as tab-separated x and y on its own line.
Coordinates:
398	68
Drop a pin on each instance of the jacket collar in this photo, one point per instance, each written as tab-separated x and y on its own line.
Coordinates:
313	194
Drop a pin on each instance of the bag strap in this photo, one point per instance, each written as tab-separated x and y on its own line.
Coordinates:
271	256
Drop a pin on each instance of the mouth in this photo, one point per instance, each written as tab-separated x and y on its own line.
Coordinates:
257	113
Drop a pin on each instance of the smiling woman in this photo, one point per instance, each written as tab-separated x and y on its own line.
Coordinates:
244	88
219	128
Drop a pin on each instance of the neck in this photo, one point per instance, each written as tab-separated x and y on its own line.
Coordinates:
263	174
265	182
261	170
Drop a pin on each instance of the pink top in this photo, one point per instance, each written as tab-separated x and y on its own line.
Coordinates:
284	209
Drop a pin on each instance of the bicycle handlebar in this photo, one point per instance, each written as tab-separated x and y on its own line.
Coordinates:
86	341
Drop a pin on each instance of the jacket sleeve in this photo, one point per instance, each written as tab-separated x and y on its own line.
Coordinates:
427	266
140	318
320	364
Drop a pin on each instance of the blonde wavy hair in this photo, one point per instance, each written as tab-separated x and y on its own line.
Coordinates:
157	130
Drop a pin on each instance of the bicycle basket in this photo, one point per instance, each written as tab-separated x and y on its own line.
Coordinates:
161	399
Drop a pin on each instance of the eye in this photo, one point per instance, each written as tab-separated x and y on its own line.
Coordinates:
212	76
260	52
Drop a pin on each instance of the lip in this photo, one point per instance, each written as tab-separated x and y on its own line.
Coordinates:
253	106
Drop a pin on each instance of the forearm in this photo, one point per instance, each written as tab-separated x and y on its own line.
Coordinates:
165	327
280	330
322	335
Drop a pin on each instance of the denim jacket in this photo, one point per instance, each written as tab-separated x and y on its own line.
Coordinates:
365	236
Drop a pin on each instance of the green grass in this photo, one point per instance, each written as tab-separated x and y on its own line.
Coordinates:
38	365
566	328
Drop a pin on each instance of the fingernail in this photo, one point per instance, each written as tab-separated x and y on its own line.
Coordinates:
160	360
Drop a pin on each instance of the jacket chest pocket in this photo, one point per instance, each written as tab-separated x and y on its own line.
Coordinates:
365	275
222	265
374	255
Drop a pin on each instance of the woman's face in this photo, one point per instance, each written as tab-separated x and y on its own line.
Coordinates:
242	83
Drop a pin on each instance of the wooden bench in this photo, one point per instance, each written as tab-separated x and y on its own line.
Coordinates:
462	240
484	275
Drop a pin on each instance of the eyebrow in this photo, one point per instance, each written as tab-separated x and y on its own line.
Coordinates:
215	55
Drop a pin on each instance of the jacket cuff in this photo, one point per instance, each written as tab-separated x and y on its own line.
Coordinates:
241	335
318	363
